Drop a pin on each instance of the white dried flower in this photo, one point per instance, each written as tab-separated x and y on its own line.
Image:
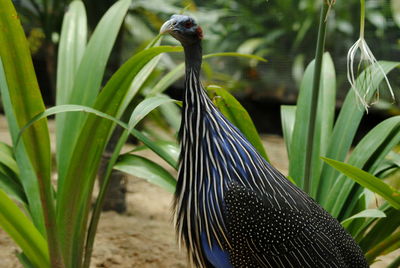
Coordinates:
366	64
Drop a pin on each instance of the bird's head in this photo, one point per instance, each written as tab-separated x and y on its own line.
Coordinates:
184	29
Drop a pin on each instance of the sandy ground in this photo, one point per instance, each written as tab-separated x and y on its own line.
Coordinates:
143	237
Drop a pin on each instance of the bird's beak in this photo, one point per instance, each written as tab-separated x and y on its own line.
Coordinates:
167	27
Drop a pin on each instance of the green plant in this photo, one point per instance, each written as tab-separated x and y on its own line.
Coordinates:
310	129
55	228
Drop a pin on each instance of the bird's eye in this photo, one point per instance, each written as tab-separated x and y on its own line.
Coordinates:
188	24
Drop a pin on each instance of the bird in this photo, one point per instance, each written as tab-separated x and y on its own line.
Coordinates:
231	207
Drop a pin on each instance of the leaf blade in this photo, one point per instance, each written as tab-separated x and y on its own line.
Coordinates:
148	170
368	181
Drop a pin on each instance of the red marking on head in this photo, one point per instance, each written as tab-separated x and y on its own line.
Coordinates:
199	32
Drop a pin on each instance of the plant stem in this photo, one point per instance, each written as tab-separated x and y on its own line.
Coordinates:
362	18
314	97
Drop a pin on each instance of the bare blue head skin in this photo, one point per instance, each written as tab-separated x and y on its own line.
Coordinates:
185	29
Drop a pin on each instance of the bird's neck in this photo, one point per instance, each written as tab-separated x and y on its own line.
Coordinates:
193	58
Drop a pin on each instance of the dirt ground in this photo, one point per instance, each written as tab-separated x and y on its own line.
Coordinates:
143	237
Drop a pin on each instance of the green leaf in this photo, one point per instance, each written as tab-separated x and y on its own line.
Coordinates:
375	231
139	80
12	188
368	181
323	124
238	116
172	148
148	170
23	232
368	153
74	203
137	114
168	79
159	148
88	78
21	100
346	126
384	247
145	107
288	116
368	213
70	52
7	159
172	114
234	54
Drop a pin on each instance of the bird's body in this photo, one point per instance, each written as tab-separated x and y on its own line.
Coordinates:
232	208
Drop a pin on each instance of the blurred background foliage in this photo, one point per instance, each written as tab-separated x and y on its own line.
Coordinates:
284	32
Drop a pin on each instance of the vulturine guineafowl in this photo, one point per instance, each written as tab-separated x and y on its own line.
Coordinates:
232	208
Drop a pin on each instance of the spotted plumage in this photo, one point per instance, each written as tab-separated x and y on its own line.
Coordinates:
232	208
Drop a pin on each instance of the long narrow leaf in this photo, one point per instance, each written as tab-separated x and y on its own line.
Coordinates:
70	52
136	116
12	188
288	116
324	122
21	100
375	231
148	170
161	150
384	247
368	181
24	100
368	213
367	155
23	232
88	80
346	126
74	203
